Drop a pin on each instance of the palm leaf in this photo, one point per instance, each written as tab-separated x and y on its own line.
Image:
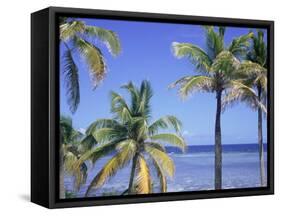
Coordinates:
214	41
190	84
162	159
95	154
80	173
110	168
241	92
156	145
258	50
87	143
161	176
81	176
135	97
254	72
71	78
119	107
94	59
69	29
165	122
108	37
143	178
103	123
198	57
145	95
239	45
171	139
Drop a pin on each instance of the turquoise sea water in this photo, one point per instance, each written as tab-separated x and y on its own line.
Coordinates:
194	170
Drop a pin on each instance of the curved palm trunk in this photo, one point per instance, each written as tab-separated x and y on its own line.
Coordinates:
62	189
218	147
260	142
132	175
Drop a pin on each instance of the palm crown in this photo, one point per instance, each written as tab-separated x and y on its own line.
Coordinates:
254	75
217	65
77	37
133	138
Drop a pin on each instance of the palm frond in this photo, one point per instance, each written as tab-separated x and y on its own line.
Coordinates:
66	130
124	143
69	29
143	178
96	153
156	145
103	123
135	97
162	159
87	143
239	45
71	79
171	139
161	176
69	161
119	107
165	122
214	41
258	51
254	72
94	59
80	174
189	84
104	135
108	37
110	168
240	92
145	95
197	56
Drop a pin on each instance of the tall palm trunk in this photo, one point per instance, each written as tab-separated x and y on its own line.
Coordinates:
132	175
260	141
218	147
62	189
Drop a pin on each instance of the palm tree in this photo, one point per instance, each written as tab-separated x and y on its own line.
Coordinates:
70	153
133	139
216	66
78	38
255	77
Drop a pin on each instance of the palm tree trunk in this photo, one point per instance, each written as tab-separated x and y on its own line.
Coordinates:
260	141
62	189
218	147
132	176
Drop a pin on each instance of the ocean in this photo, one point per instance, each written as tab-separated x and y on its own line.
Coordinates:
194	170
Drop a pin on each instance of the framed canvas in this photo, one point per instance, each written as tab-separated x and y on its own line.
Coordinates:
139	107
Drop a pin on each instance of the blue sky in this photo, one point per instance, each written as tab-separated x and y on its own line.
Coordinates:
146	54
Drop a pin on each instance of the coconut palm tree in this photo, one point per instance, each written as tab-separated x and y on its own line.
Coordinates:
70	153
255	76
77	39
217	67
134	140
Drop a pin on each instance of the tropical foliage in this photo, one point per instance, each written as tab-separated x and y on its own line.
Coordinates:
254	70
217	66
78	39
70	153
134	140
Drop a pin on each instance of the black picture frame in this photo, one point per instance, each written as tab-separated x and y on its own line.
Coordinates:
45	107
